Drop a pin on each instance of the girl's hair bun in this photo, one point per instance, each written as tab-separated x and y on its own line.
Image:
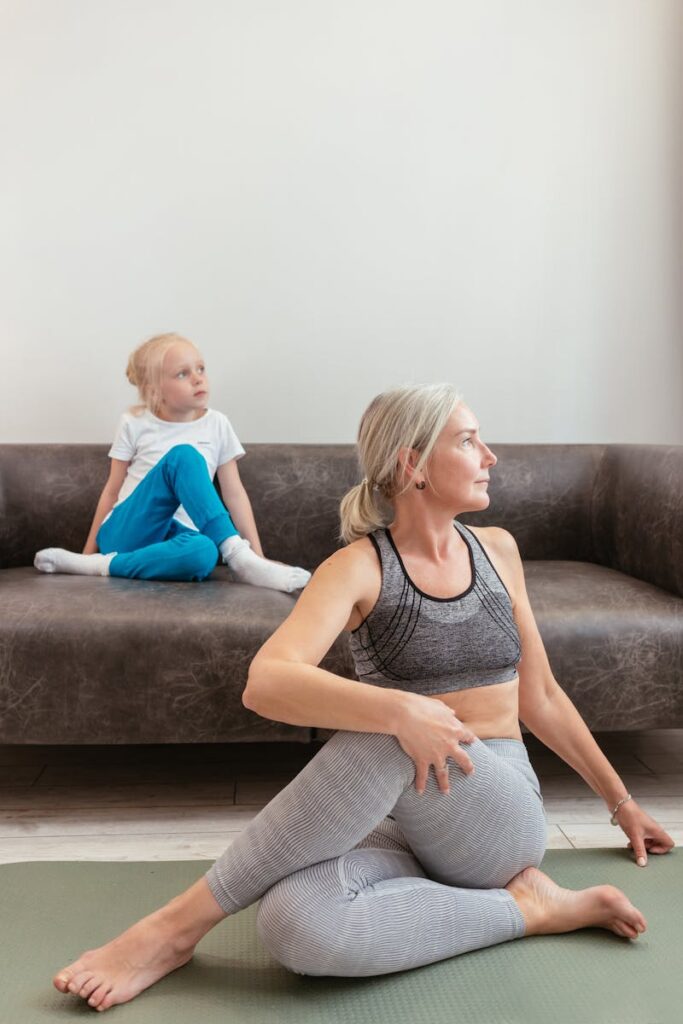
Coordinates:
131	372
145	365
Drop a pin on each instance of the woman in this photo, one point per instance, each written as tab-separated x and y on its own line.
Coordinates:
397	846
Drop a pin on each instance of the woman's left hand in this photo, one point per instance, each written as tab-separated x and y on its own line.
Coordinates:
643	832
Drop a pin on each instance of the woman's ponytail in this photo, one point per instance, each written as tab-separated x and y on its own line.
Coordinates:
410	416
359	512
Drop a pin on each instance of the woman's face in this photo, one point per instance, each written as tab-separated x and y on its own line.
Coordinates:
459	464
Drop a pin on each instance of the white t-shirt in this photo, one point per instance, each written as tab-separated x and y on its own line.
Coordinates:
143	440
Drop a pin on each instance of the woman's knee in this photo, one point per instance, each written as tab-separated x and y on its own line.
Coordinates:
539	841
289	926
525	848
300	923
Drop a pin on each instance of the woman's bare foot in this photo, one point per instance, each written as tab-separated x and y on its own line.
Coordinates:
548	909
143	954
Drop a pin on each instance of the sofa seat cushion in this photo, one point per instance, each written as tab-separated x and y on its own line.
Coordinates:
615	644
103	660
93	660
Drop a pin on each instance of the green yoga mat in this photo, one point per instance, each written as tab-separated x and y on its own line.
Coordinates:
51	912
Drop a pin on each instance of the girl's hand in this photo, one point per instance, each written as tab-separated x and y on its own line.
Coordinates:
643	832
430	733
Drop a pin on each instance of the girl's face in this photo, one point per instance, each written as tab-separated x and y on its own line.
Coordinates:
184	384
459	464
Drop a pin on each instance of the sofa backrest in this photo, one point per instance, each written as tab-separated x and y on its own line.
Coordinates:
541	493
48	494
638	513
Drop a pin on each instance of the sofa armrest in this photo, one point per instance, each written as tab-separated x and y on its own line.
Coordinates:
637	513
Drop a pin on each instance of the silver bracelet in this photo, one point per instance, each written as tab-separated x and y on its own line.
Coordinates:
613	819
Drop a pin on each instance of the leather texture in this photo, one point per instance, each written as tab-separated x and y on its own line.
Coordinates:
638	513
614	643
105	660
96	660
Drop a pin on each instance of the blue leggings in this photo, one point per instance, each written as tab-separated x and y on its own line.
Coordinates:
150	543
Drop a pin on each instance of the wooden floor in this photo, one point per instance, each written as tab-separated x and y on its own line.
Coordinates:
188	802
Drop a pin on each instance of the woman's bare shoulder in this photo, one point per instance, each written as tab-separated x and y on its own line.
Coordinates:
498	538
353	561
356	567
501	547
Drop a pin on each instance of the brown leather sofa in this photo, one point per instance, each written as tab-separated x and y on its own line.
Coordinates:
93	660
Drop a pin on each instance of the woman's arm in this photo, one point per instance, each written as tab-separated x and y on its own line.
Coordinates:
237	502
117	474
548	712
558	724
544	707
286	684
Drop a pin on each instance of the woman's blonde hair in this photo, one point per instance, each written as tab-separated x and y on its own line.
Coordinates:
145	367
409	416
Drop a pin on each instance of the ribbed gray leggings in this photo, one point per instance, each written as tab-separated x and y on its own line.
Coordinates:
347	891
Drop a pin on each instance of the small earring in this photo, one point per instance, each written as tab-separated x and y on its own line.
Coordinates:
421	486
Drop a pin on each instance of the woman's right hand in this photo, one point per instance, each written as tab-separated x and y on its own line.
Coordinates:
429	732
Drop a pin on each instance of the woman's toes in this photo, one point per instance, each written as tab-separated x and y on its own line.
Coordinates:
61	981
98	995
632	923
78	980
107	1001
89	987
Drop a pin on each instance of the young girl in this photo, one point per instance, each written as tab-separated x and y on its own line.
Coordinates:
159	516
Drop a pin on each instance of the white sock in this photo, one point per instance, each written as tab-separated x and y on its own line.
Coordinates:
231	545
250	568
59	560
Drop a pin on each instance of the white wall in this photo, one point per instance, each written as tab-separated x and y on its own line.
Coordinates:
334	197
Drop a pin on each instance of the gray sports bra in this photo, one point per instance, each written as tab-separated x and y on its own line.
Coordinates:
411	641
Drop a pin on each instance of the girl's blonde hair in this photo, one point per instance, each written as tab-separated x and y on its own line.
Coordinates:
409	416
145	366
